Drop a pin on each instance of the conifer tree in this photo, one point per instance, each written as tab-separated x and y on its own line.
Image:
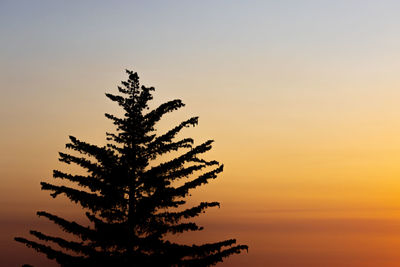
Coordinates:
131	198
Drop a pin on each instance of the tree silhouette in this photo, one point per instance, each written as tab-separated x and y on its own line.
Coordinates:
131	198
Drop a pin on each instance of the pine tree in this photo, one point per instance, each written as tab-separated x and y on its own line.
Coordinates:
131	199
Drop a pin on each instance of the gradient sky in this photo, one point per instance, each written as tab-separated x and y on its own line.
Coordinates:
301	97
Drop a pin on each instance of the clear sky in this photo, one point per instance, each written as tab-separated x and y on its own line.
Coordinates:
301	97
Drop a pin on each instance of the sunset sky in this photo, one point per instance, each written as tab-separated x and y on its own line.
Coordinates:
302	99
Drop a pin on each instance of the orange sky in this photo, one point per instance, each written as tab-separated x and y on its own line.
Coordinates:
301	99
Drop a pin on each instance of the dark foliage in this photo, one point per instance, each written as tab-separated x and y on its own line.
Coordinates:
131	201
